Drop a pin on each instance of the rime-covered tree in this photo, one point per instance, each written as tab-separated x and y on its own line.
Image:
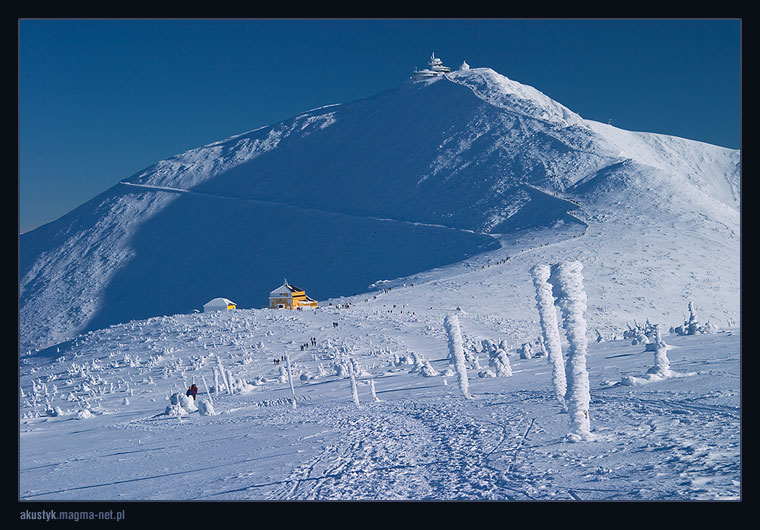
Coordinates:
550	329
661	362
499	363
354	391
693	326
567	283
456	352
290	379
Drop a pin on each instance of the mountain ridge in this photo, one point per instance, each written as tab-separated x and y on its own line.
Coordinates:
458	162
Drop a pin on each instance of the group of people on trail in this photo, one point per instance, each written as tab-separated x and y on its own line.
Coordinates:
192	391
312	342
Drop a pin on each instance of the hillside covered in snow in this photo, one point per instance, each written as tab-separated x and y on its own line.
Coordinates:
464	169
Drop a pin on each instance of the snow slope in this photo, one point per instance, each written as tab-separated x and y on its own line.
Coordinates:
428	180
671	439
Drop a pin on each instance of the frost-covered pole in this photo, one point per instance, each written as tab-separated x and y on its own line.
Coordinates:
354	391
456	352
290	378
567	281
216	382
661	362
693	324
222	372
550	329
207	392
372	389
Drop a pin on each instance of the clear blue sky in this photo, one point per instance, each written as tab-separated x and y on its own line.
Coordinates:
102	99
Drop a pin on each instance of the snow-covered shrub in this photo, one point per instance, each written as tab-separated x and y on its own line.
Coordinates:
693	326
427	369
341	369
470	347
84	414
54	411
488	346
661	369
206	408
400	360
186	402
175	410
567	284
499	363
526	350
456	352
416	361
356	367
640	334
550	328
475	363
321	372
486	373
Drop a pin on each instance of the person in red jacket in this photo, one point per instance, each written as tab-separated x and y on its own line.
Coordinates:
192	391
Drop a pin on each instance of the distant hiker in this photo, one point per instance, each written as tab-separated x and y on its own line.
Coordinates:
192	391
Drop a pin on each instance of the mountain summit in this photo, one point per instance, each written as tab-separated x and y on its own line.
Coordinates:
444	169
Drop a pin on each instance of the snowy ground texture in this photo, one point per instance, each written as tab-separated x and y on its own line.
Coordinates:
95	421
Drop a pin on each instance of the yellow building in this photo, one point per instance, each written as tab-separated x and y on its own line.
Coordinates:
288	296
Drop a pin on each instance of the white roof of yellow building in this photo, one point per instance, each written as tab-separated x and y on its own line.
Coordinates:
283	291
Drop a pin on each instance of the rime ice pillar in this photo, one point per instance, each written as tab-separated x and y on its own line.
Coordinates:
550	329
661	363
354	391
456	352
567	284
290	378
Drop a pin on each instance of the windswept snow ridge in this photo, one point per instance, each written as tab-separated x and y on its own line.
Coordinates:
500	91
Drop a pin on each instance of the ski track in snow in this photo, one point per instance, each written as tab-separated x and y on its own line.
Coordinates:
280	203
404	451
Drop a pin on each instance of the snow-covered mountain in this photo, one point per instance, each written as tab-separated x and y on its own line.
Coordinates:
454	185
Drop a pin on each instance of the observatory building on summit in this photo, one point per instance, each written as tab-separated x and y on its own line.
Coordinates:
436	69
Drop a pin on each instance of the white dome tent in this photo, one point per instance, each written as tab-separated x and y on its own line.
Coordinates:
219	304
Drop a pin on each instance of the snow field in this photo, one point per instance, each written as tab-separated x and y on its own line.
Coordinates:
424	440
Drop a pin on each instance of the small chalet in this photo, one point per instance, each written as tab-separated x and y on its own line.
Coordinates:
219	304
288	296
